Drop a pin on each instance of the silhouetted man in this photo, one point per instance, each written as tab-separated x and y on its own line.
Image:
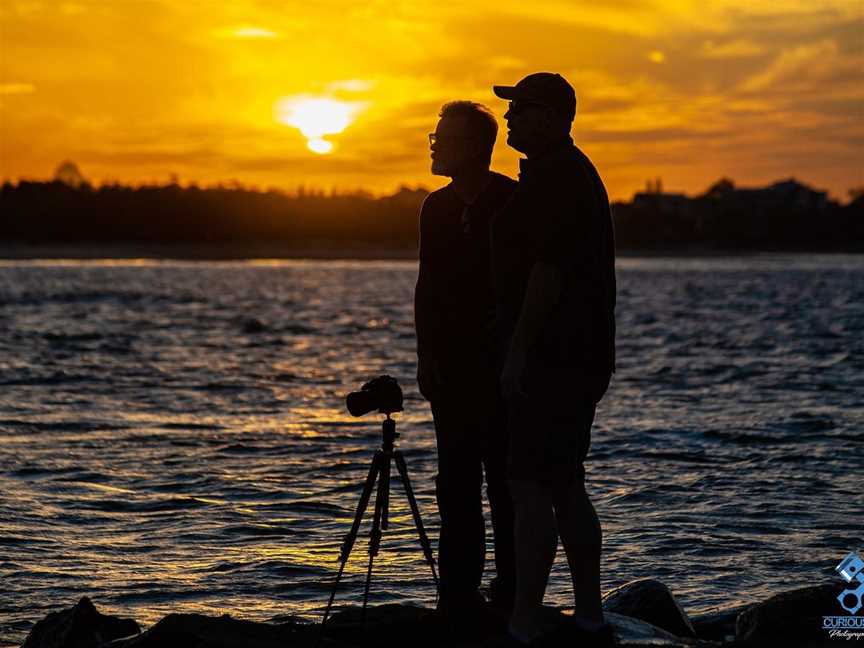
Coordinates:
456	372
553	255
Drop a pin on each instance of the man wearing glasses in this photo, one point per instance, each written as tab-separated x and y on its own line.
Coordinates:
553	260
456	369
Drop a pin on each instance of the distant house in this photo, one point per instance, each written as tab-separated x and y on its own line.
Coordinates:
663	203
793	192
784	194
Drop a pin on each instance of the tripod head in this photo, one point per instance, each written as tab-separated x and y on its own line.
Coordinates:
388	434
383	394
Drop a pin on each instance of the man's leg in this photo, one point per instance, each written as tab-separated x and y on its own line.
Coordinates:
503	586
582	537
536	543
579	528
458	490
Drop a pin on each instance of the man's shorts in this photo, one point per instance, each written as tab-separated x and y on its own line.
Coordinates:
549	436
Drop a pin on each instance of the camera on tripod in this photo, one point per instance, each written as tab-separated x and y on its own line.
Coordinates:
382	393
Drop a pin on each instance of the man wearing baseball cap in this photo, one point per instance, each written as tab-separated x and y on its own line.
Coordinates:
553	266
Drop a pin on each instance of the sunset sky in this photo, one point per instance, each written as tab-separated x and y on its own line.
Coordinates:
342	94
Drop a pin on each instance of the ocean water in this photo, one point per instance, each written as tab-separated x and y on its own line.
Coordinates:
173	435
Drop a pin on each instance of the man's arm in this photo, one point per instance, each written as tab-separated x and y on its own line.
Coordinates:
545	285
426	319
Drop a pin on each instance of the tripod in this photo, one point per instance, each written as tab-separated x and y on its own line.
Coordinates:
380	471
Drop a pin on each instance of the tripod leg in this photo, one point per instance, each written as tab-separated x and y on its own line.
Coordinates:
384	487
351	537
366	590
382	499
415	511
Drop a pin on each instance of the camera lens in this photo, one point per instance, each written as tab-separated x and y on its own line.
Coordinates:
382	393
361	402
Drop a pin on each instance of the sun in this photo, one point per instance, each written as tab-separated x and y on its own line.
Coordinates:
319	145
317	117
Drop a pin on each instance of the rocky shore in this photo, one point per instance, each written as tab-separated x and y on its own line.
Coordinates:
642	613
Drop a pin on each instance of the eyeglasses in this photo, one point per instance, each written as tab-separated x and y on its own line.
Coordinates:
435	137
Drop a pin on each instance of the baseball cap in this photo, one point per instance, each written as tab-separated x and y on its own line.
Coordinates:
543	87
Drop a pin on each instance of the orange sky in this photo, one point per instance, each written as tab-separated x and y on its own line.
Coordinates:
689	91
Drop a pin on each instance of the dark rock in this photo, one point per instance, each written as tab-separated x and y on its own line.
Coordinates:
651	601
81	626
386	625
630	631
199	631
719	624
397	626
792	618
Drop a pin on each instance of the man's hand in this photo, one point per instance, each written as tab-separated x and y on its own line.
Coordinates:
513	373
428	378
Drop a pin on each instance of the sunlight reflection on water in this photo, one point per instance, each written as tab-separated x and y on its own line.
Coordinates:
163	453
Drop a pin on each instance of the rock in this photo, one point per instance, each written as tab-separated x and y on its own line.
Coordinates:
199	631
386	625
792	618
719	624
630	631
396	626
81	626
651	601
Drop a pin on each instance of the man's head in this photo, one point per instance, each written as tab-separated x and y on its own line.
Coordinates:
542	109
463	139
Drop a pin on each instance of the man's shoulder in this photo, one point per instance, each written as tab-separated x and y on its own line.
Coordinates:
436	201
571	161
580	158
501	181
444	193
501	188
576	174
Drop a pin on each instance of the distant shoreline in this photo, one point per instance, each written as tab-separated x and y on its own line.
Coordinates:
203	251
322	250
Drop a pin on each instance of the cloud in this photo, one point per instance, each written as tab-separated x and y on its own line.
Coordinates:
149	157
653	135
733	49
810	66
350	85
245	32
16	88
26	7
162	78
72	8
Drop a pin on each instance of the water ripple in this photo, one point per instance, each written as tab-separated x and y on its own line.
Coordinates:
173	436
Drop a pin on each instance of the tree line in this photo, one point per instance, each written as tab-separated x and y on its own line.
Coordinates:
785	215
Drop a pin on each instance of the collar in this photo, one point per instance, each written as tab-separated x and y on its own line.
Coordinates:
550	158
480	197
